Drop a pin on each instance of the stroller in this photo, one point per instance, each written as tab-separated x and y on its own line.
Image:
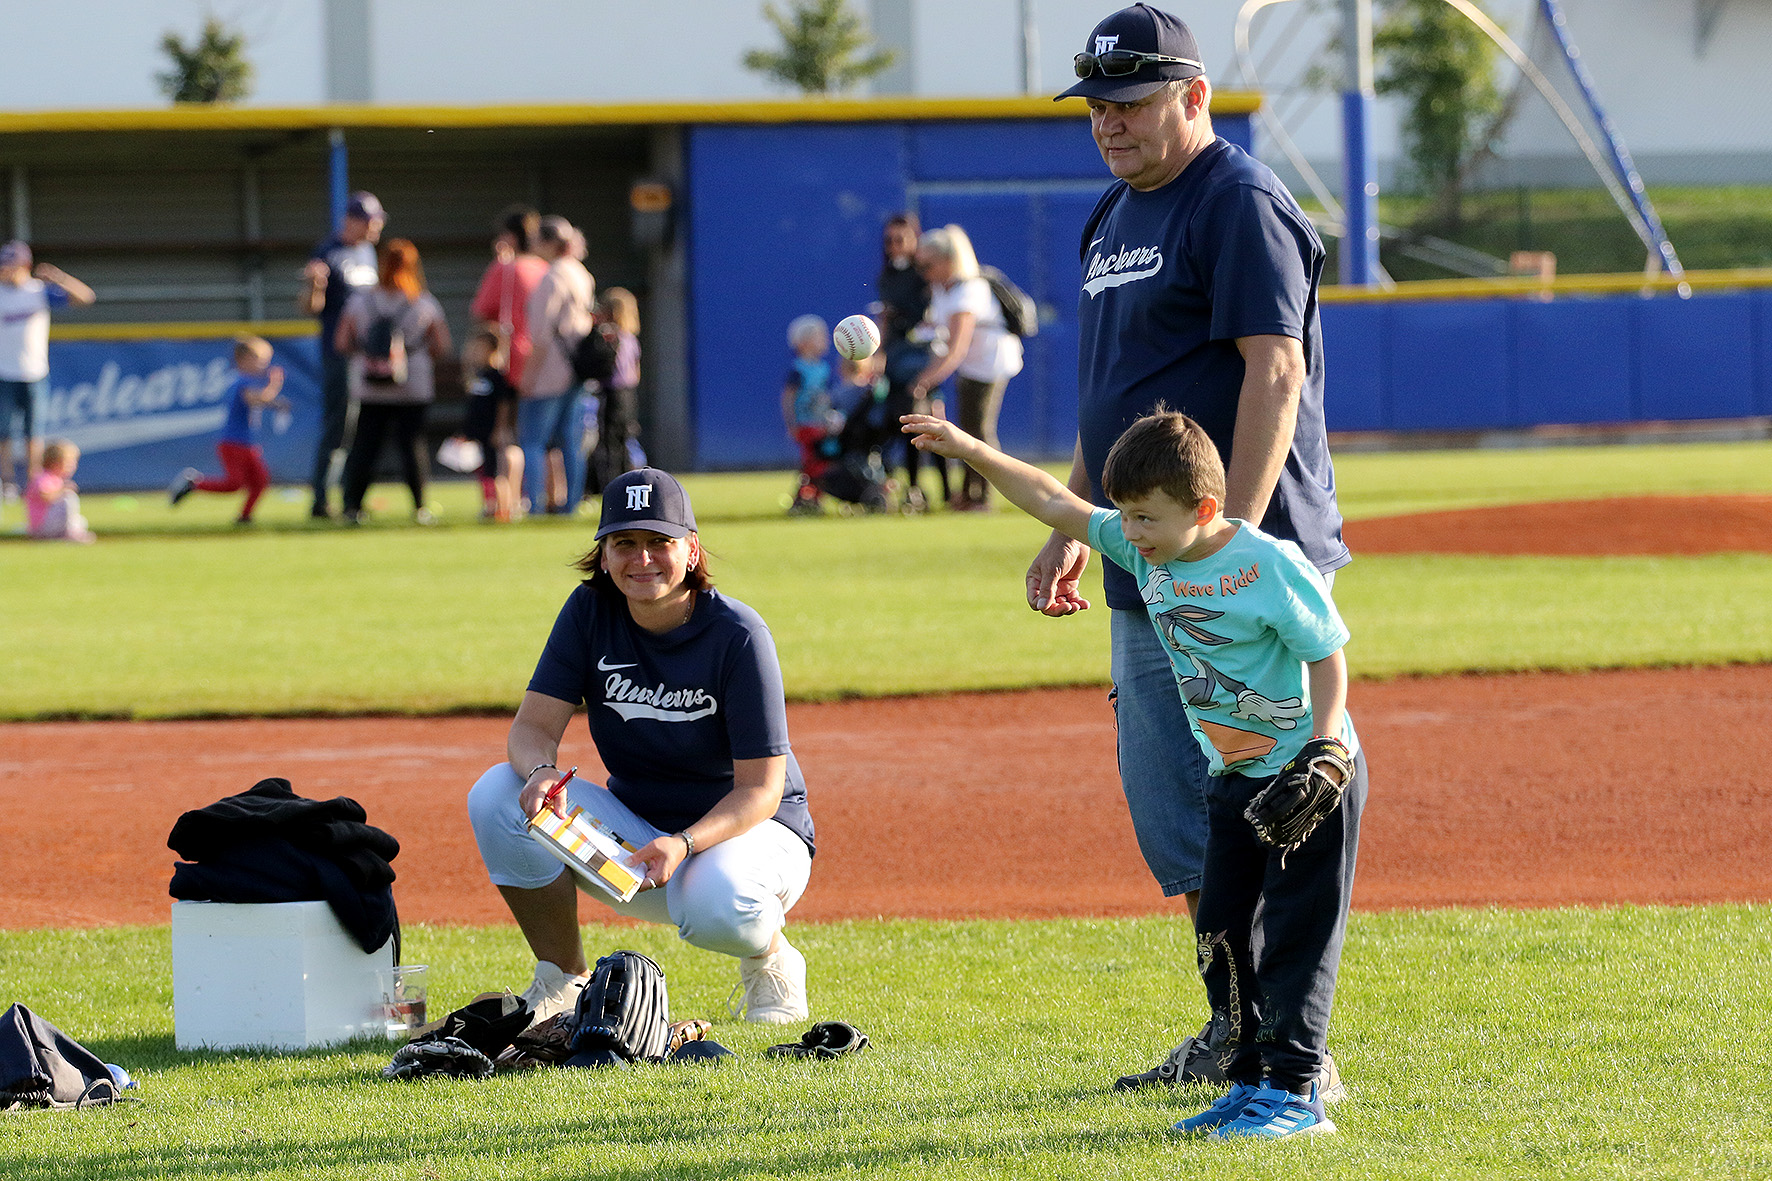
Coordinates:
848	463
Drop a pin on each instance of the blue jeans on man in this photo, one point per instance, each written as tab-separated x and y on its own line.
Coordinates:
335	404
1162	769
546	423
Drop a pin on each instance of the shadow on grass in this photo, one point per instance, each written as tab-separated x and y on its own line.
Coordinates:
571	1149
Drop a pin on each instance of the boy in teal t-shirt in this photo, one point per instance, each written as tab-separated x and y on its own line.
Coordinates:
1256	644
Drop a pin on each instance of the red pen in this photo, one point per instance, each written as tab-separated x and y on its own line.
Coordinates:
548	799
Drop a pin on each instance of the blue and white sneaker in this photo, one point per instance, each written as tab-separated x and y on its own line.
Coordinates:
1230	1105
1274	1114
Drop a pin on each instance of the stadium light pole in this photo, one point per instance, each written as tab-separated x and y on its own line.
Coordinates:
1359	237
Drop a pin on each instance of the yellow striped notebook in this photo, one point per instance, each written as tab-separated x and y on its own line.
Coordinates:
590	849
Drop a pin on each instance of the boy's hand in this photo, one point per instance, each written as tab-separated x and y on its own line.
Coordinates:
929	433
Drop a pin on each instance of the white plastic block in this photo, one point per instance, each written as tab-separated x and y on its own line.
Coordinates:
279	975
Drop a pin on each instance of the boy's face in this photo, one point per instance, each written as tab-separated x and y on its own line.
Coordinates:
252	362
1165	530
812	346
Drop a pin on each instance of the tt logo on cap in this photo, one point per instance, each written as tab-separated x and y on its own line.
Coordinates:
1103	44
639	496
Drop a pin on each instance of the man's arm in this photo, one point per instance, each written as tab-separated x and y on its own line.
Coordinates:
1022	484
312	298
1267	412
79	294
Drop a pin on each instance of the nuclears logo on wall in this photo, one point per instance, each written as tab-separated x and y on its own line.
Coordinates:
121	409
141	410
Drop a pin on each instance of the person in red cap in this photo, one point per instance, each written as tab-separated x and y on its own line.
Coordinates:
1199	294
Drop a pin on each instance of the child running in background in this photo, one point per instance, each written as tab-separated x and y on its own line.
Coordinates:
52	499
491	423
257	384
806	408
1256	644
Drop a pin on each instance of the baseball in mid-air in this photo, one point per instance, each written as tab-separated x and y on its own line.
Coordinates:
855	337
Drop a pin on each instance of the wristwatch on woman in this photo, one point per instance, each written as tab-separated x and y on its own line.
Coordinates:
688	842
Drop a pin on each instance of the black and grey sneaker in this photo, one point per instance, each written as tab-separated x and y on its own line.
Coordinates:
182	486
1190	1063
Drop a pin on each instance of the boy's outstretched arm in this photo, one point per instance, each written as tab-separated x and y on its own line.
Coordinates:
1024	485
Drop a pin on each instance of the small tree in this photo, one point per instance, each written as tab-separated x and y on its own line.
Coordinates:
1443	66
821	43
213	69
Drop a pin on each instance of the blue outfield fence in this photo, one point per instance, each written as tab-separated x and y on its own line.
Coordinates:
143	410
1502	364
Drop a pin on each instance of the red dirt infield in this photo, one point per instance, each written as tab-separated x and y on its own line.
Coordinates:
1683	525
1520	790
1641	786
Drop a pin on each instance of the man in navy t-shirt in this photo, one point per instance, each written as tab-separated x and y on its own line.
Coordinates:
342	265
1200	277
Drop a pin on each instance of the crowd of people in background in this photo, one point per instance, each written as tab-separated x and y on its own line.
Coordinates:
939	319
539	432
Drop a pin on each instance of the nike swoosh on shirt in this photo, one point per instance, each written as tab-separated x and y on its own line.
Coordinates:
604	667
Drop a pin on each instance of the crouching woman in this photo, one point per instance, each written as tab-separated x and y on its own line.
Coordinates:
683	694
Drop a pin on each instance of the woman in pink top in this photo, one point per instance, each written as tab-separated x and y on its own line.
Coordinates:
503	297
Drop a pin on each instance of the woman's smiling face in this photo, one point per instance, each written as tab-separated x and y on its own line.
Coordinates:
646	566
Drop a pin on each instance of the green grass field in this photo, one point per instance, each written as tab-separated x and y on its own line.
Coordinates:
176	614
1623	1043
1615	1043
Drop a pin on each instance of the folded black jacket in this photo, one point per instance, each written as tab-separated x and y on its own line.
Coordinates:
270	845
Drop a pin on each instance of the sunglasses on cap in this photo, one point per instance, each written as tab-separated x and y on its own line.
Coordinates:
1117	63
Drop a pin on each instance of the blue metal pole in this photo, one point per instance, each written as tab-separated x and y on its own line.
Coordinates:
1359	174
1622	164
1359	239
340	168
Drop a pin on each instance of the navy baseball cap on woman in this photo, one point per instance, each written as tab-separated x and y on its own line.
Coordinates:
646	498
1132	53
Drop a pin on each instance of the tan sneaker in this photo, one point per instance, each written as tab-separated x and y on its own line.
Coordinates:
551	992
774	987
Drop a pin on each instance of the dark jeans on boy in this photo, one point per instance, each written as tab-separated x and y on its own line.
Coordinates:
1270	934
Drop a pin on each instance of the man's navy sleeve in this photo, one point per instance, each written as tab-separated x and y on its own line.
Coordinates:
1256	261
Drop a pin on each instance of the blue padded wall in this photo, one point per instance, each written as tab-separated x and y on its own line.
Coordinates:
784	220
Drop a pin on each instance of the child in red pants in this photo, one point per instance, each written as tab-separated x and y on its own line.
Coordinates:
256	385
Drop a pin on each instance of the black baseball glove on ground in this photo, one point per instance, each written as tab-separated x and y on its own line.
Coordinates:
1294	802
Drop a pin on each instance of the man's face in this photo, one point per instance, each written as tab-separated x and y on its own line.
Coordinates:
361	229
1144	143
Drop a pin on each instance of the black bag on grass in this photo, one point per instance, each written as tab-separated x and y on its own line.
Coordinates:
40	1066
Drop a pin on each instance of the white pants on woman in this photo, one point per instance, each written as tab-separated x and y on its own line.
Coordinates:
730	899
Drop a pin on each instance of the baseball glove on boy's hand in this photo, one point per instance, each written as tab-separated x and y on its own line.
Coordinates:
1289	808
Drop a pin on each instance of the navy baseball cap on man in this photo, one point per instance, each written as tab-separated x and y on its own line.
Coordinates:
646	498
365	206
1120	63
